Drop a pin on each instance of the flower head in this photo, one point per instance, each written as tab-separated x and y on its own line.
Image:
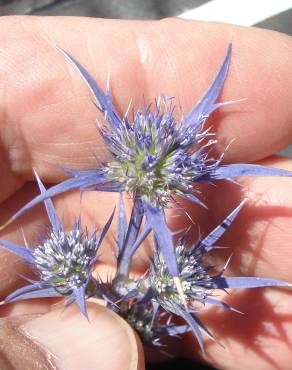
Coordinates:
63	260
200	284
194	275
152	156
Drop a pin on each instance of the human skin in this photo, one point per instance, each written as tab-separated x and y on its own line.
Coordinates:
47	121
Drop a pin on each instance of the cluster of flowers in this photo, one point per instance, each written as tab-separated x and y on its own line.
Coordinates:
154	159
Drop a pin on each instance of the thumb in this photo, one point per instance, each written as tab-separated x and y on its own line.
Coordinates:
66	340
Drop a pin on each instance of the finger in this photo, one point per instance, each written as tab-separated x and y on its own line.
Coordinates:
258	339
260	243
260	238
48	115
65	339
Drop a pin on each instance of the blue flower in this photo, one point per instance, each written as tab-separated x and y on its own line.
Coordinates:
63	260
154	158
199	284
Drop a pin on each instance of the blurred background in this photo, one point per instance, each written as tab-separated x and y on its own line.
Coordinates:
271	14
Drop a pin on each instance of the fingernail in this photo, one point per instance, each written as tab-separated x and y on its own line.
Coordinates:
17	351
71	342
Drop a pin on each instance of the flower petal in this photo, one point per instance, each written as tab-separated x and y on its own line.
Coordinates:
247	282
31	291
177	330
125	258
135	222
207	103
230	171
79	294
122	223
82	180
70	299
207	244
196	328
54	219
132	240
222	304
113	188
155	219
105	229
193	199
103	99
20	251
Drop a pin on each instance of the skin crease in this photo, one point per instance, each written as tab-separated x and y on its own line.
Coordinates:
47	119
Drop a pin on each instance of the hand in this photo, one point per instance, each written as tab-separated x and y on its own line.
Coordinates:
47	120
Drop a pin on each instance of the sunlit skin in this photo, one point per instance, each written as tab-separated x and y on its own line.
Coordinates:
47	120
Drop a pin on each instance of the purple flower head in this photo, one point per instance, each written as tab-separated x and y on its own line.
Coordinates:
152	157
63	260
199	284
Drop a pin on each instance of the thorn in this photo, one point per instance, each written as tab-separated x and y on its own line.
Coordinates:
7	223
128	109
108	83
227	262
220	344
180	291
